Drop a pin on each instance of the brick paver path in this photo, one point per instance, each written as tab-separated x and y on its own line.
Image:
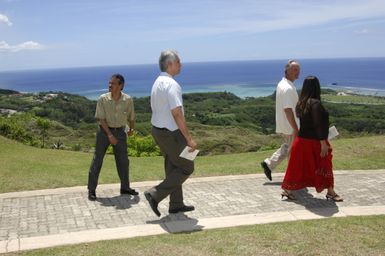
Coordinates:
28	218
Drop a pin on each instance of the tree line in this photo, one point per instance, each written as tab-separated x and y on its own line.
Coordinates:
219	109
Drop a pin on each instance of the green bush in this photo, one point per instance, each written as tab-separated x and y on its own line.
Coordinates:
142	146
14	127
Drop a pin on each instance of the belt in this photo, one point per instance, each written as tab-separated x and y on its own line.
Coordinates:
115	128
162	129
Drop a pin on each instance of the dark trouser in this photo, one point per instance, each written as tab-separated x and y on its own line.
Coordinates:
177	169
120	153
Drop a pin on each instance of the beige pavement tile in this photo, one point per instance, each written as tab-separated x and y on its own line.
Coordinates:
364	210
317	213
88	236
3	246
13	245
247	219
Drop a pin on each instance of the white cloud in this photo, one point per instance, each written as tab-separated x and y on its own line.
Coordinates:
4	19
29	45
362	31
249	16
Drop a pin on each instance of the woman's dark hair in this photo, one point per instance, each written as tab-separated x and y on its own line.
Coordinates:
311	89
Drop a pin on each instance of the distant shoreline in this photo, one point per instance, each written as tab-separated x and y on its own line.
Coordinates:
242	78
241	92
355	90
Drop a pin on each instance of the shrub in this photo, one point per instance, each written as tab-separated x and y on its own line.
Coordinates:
142	146
14	127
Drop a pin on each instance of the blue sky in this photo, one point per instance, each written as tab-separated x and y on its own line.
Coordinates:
73	33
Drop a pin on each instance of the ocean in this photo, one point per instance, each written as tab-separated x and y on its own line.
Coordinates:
243	78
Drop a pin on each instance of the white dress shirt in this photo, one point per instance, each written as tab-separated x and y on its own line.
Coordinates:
166	94
286	97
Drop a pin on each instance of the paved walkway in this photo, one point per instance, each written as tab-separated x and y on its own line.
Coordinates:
45	218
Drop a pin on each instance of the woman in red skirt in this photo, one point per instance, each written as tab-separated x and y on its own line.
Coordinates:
310	163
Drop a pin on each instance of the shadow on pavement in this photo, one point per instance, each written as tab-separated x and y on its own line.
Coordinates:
275	183
177	223
120	202
321	207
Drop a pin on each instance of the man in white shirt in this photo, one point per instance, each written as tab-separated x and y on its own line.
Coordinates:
287	122
170	132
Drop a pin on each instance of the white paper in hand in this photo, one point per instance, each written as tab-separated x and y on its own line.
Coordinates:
332	132
189	155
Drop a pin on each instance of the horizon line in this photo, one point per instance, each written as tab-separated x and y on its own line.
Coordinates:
187	62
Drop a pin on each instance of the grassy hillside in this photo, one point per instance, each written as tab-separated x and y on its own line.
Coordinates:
28	168
220	122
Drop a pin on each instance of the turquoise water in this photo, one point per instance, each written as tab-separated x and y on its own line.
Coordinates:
243	78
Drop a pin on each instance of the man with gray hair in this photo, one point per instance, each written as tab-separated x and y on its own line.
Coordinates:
170	132
287	123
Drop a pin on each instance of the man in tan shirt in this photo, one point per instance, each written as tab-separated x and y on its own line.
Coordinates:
114	110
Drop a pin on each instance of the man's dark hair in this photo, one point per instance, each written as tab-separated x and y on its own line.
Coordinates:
120	78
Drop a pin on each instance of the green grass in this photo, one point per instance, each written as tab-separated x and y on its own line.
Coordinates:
28	168
332	236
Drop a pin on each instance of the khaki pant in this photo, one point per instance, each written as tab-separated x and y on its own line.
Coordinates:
283	152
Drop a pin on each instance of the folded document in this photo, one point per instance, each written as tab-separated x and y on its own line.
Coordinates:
189	155
332	132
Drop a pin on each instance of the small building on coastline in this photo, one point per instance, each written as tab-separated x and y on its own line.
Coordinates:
50	96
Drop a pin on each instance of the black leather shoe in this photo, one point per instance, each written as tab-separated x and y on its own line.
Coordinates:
186	208
153	203
91	195
129	191
266	170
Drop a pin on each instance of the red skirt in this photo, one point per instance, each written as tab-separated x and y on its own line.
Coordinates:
306	168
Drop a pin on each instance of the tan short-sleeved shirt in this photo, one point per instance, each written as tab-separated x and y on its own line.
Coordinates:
116	113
